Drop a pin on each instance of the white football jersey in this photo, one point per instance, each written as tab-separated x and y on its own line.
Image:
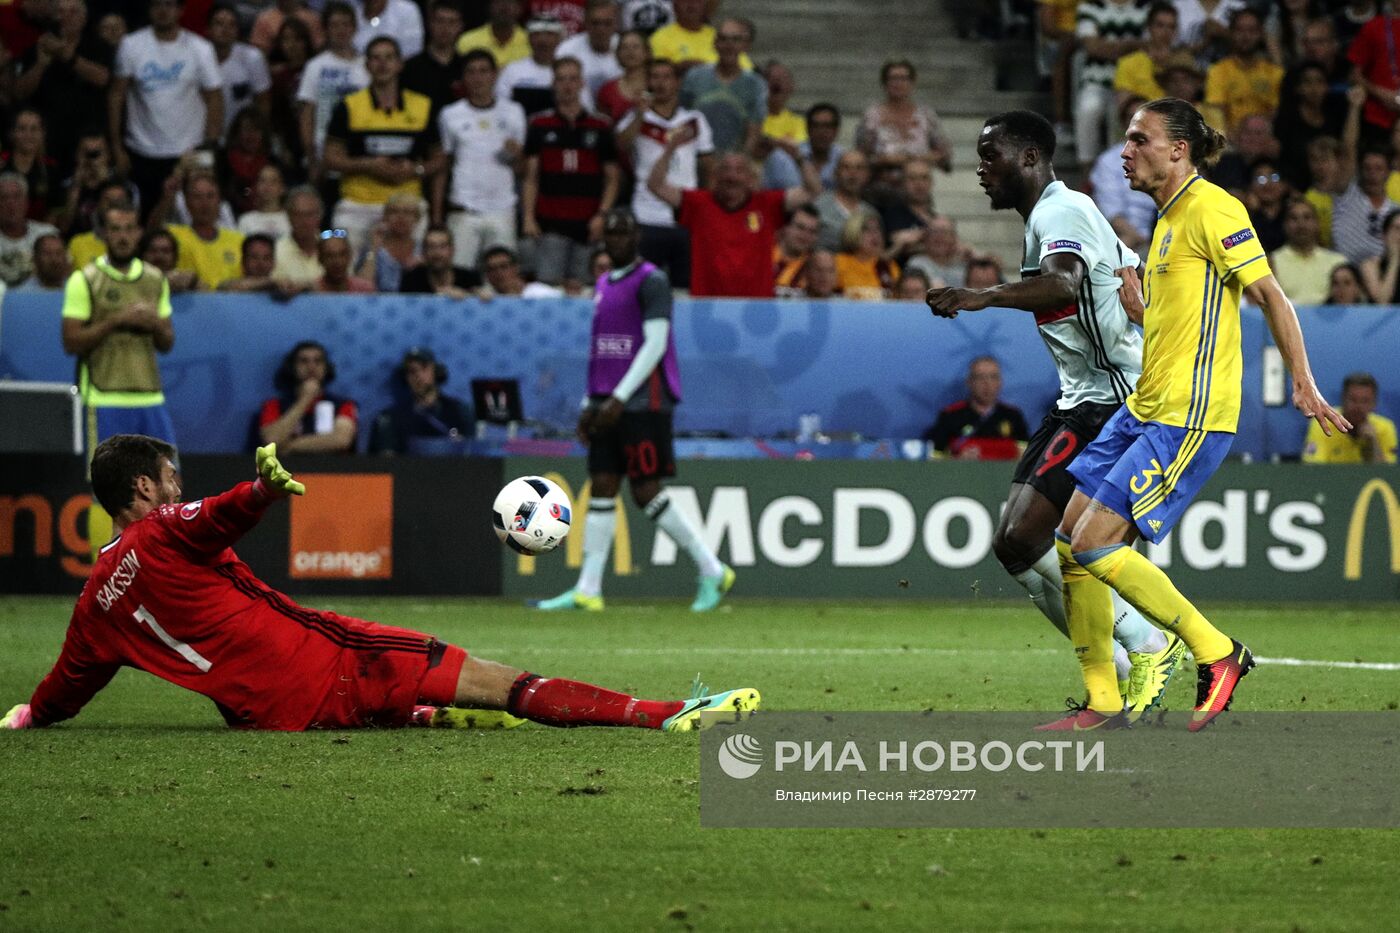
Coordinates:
1097	350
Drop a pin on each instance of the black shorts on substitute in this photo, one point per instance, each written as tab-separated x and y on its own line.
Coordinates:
1061	436
639	446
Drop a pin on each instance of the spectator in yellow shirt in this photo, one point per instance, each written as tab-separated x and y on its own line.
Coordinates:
781	123
88	245
1371	438
689	40
502	35
213	253
1136	75
1244	83
1328	182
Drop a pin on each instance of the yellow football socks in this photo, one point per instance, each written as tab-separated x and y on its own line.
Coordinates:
1089	614
1143	584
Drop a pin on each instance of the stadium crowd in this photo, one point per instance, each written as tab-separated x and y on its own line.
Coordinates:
413	132
472	147
391	145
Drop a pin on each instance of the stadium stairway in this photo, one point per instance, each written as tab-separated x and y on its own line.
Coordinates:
835	49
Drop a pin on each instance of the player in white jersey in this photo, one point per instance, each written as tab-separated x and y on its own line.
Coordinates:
1074	274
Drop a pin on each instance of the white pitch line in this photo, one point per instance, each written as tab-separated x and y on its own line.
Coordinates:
877	652
778	652
1347	665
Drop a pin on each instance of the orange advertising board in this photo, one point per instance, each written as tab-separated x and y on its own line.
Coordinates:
346	530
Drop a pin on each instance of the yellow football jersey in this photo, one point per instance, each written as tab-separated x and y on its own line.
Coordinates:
1204	254
214	261
1349	448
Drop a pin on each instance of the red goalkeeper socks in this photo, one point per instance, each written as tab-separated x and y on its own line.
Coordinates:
558	702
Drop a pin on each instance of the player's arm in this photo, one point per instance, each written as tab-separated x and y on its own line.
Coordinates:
1288	337
656	181
529	194
1130	292
1061	276
76	678
805	193
655	299
209	525
1351	134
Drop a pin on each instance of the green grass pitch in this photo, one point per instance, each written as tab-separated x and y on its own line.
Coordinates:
144	813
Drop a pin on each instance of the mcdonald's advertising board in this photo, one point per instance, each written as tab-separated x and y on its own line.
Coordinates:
917	530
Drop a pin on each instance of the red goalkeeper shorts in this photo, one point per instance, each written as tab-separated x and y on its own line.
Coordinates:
378	685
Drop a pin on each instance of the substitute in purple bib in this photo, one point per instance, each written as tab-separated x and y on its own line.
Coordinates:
634	384
618	333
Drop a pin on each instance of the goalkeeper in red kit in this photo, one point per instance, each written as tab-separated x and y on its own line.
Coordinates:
170	597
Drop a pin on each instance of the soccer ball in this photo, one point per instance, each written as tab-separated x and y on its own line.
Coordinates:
531	515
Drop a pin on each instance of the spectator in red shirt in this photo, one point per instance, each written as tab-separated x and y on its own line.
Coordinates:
22	23
1373	54
732	228
304	417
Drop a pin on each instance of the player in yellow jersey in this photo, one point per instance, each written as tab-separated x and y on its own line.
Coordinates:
1150	459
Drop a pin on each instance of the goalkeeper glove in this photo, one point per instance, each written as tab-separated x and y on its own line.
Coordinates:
19	717
274	475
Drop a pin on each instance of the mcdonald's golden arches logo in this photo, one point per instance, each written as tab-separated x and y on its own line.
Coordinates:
1356	529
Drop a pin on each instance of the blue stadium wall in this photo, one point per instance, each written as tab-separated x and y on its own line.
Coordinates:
748	367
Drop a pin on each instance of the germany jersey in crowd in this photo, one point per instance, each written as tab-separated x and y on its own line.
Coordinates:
572	155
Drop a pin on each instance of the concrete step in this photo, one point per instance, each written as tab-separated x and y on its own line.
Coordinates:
863	19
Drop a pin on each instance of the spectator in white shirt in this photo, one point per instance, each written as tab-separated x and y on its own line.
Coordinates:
268	215
329	76
51	264
529	81
400	20
169	90
242	66
595	47
644	132
483	135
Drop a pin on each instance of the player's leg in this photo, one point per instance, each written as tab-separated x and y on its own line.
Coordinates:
1088	602
646	442
606	463
1089	615
1141	496
1152	499
599	528
555	701
1024	543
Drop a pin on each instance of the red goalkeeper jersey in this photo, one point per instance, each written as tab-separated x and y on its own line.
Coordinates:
170	597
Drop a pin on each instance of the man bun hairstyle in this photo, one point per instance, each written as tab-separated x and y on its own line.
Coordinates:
1185	123
1027	129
